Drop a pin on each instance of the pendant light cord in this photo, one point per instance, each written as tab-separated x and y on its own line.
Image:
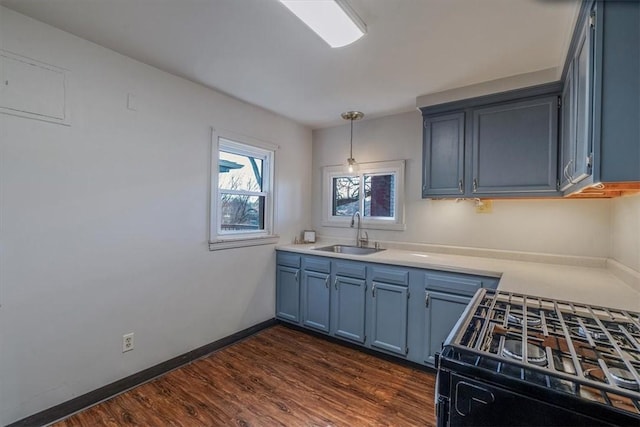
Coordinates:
351	144
351	116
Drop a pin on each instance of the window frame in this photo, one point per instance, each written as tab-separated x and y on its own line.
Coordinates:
396	167
245	146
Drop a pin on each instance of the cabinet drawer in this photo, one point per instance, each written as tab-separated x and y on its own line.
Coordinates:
351	269
390	275
288	259
321	265
452	284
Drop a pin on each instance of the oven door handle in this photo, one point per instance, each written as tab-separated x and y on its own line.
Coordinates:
470	396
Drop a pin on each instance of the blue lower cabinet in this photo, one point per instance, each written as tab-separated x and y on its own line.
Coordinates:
316	300
406	312
389	317
446	295
442	311
288	293
349	299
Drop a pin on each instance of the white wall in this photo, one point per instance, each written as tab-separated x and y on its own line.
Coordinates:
625	231
568	227
104	223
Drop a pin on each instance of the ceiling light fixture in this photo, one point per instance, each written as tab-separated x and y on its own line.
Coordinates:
333	20
352	115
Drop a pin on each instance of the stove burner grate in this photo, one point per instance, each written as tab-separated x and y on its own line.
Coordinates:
516	319
620	376
623	378
582	332
535	354
587	351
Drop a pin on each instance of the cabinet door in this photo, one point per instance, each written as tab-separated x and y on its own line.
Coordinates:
349	308
515	148
442	311
583	74
315	300
288	293
567	130
389	317
443	156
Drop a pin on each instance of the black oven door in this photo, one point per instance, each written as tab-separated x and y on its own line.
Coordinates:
473	403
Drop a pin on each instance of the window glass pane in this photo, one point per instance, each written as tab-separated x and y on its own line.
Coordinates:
238	172
345	195
379	195
242	212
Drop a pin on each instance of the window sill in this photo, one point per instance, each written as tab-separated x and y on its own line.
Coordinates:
242	242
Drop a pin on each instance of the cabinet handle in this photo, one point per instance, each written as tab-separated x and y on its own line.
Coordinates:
568	175
335	284
475	185
460	186
326	282
296	277
373	290
426	298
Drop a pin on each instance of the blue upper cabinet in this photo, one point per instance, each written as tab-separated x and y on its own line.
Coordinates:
577	110
515	144
501	145
583	76
443	152
601	148
514	148
567	132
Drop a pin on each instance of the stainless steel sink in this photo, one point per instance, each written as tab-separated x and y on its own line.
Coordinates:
351	250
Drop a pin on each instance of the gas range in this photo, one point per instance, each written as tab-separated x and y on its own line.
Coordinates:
579	362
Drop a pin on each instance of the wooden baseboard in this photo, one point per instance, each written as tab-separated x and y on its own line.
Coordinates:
74	405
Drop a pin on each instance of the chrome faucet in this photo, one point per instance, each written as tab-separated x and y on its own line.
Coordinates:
361	242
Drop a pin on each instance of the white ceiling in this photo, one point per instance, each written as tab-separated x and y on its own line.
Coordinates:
259	52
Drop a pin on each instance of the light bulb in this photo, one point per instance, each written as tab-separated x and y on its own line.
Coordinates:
351	164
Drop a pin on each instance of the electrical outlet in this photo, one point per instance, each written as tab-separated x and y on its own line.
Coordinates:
127	342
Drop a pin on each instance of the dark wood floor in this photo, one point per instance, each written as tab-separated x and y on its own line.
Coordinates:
279	376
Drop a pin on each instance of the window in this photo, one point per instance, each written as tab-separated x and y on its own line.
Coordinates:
376	190
241	192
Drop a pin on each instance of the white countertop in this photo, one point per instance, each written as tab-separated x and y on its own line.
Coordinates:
590	285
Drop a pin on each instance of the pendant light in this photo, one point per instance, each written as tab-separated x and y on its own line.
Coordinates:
351	116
